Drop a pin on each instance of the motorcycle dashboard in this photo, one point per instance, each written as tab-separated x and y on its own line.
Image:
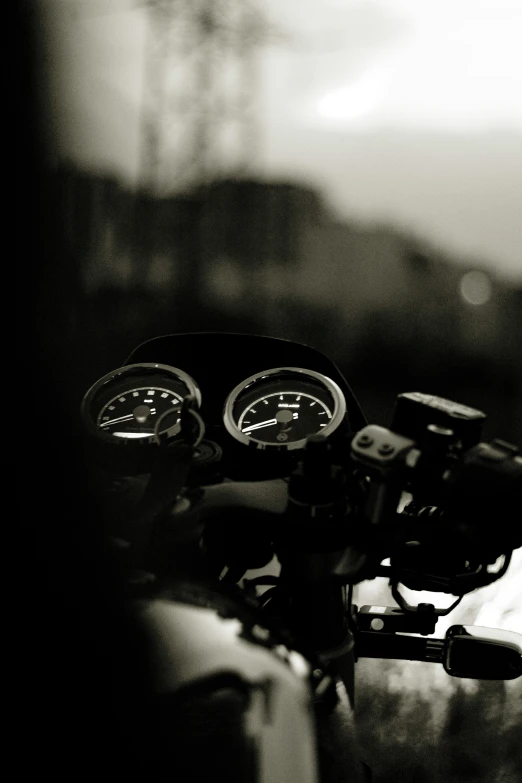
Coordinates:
259	397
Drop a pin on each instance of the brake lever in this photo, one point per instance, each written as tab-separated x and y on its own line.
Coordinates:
469	652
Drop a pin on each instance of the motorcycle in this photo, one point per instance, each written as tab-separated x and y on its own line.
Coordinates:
244	495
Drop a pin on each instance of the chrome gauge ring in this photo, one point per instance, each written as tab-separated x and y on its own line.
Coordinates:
282	407
127	403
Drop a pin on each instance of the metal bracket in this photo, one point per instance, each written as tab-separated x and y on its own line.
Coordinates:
389	619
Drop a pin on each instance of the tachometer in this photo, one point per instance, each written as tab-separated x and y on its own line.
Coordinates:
282	407
129	402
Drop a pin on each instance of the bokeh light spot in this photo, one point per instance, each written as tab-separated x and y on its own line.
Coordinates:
475	288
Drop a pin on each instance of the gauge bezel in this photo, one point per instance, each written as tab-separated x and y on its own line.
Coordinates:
335	391
148	368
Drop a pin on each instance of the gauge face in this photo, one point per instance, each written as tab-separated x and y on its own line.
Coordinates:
129	402
134	413
283	407
284	417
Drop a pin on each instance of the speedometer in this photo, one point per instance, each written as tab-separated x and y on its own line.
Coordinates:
283	407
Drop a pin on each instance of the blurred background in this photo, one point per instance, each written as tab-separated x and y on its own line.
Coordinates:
345	173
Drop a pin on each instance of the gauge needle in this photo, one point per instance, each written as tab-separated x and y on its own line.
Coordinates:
115	421
267	423
128	417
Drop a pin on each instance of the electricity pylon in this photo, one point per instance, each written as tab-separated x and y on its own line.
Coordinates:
200	114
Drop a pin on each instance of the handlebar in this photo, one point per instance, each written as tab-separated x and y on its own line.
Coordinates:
426	493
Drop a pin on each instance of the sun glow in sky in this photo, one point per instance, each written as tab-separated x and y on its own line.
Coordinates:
458	68
356	100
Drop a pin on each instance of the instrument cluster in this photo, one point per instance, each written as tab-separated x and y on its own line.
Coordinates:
276	408
259	398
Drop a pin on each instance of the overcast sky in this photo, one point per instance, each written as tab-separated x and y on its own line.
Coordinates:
404	110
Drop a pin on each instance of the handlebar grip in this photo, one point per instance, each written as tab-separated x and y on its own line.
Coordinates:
370	644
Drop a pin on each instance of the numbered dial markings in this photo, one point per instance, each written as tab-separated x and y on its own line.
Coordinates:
128	402
134	413
285	417
282	407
